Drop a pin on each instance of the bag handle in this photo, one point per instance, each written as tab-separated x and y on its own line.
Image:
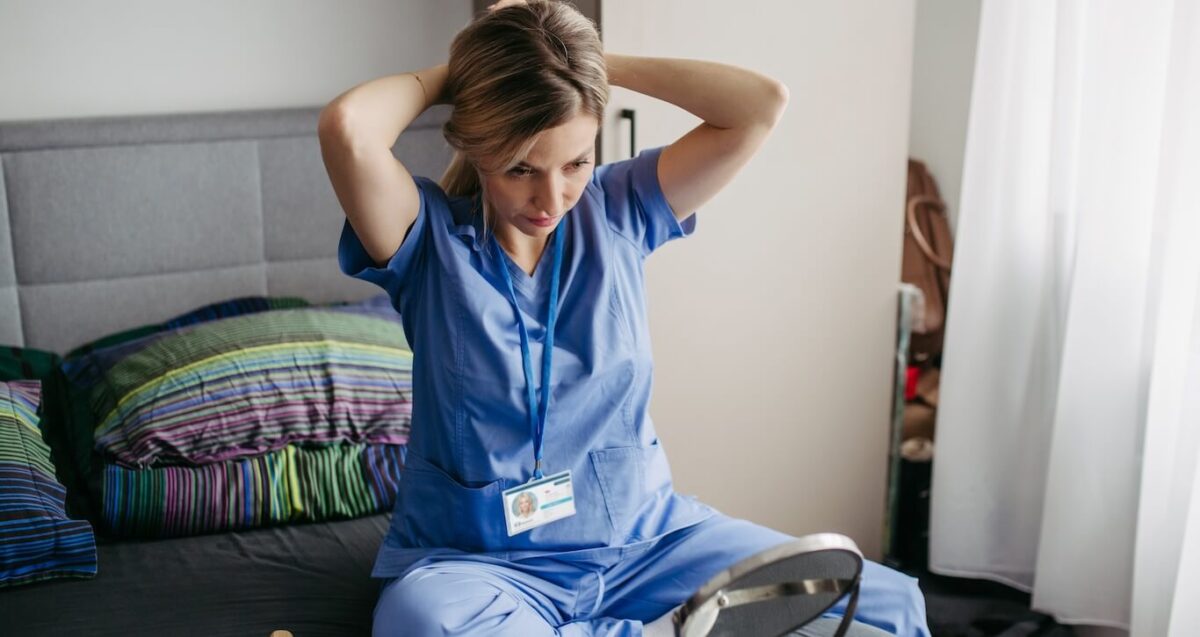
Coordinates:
922	242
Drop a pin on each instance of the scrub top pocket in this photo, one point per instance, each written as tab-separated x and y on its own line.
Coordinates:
442	512
621	472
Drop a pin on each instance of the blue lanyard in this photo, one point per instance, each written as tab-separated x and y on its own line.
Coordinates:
537	417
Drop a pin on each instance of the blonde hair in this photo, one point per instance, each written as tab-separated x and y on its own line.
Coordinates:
514	73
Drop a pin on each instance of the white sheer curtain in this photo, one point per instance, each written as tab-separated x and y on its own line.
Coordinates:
1069	423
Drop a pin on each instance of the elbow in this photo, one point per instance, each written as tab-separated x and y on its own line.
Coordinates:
769	105
332	121
777	101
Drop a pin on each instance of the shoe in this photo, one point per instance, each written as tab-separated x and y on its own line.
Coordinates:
776	591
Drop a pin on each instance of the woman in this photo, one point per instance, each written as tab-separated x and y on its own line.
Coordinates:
524	249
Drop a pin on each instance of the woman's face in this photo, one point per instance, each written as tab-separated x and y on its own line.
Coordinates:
525	505
534	195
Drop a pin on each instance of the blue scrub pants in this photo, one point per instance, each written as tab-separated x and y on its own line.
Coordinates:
612	591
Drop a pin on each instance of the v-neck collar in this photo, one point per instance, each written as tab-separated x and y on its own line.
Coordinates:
522	279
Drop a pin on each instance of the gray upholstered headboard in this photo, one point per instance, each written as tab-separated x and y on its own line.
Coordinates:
112	223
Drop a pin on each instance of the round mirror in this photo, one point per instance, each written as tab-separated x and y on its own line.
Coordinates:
777	590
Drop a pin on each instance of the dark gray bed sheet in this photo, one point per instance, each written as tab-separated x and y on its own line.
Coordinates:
311	579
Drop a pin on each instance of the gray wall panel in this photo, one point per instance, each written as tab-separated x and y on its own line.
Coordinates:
61	316
318	280
300	212
120	222
132	210
7	272
10	319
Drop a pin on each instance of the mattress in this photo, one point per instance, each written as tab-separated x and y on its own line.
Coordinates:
311	579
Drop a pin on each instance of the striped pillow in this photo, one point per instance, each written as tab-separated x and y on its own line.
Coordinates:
27	363
37	539
249	384
293	484
70	425
231	307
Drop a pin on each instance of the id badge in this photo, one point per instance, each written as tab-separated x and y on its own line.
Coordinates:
533	504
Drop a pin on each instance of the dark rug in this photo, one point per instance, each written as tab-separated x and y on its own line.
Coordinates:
961	607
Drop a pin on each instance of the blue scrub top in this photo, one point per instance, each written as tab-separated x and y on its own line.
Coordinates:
470	436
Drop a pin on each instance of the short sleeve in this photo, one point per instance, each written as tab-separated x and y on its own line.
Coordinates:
635	205
401	270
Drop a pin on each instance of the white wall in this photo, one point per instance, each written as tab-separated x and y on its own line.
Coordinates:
80	58
943	68
773	325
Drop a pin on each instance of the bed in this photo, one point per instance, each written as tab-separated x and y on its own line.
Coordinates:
111	223
122	234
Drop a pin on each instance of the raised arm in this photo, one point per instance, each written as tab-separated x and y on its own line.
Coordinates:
739	108
357	131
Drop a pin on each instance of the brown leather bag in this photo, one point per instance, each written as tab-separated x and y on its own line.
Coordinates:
928	252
